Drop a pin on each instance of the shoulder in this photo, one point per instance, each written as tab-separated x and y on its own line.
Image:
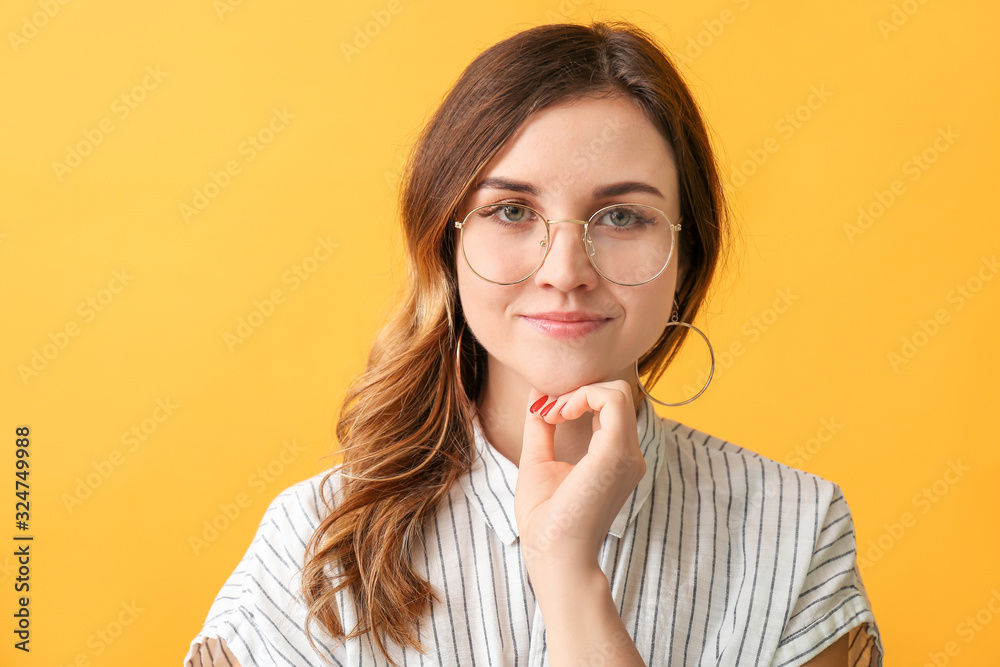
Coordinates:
789	531
742	477
311	497
291	518
299	509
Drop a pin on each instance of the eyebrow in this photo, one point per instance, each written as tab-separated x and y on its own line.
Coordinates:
613	190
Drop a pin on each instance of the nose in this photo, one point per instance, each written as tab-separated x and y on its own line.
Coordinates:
567	265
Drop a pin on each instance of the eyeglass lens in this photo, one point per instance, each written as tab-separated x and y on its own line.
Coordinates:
628	243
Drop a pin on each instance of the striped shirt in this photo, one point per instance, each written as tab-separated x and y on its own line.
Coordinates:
720	557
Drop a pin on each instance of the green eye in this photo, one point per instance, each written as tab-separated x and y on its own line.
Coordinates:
619	218
630	218
513	213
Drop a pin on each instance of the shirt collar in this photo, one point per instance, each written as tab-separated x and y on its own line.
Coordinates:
490	484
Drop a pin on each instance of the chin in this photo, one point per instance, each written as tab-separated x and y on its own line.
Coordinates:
557	384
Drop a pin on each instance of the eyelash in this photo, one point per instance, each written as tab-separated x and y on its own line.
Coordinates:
520	202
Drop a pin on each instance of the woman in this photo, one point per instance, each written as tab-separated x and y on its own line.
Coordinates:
508	495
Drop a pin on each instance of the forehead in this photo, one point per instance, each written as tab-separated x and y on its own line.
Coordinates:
581	143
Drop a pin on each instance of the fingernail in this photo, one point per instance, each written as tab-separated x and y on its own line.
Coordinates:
539	403
548	407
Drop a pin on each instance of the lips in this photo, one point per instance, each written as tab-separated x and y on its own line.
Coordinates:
568	316
566	324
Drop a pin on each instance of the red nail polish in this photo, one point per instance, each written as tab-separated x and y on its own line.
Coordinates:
548	407
539	403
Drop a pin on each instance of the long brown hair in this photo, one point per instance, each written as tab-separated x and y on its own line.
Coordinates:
405	427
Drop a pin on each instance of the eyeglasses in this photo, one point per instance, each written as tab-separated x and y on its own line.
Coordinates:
628	244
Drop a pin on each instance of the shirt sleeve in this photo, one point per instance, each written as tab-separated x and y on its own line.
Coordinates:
832	600
211	652
259	614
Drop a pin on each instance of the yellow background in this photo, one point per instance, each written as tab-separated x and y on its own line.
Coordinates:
894	77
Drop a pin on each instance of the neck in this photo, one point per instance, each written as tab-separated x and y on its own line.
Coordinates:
502	406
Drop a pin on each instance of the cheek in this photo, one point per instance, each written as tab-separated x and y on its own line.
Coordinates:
481	303
466	288
649	316
649	307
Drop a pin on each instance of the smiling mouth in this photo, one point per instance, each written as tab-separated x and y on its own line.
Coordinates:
565	325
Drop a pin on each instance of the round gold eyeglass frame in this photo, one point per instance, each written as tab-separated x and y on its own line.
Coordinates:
588	244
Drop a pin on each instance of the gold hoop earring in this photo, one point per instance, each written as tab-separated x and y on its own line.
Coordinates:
672	323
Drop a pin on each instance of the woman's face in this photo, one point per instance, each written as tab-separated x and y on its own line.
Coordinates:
566	325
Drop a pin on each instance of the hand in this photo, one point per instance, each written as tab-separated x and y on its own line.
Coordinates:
564	511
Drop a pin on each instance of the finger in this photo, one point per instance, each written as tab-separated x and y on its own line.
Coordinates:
615	441
611	401
538	443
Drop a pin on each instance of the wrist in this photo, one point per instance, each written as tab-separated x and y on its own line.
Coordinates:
582	622
569	586
549	560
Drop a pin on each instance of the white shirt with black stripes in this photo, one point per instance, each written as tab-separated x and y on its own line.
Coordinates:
720	557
